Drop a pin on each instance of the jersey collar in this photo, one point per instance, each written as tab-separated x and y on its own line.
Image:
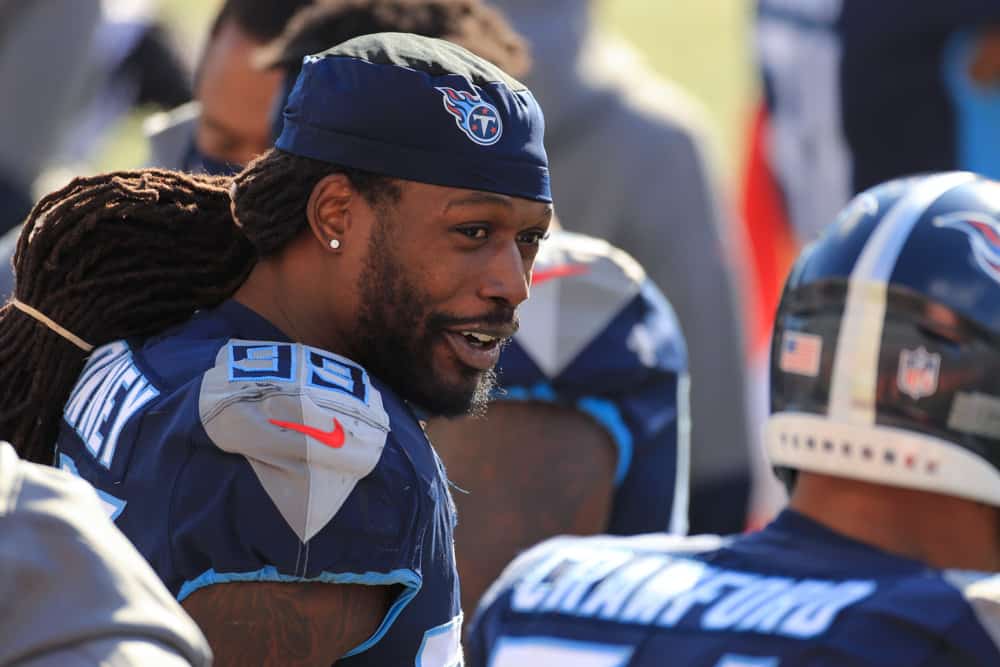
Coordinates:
802	533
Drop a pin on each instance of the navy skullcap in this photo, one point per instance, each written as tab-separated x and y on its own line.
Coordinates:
419	109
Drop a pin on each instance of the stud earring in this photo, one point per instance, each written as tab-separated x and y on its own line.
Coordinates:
335	244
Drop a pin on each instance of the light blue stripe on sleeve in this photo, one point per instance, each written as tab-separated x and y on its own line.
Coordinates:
539	392
112	504
607	415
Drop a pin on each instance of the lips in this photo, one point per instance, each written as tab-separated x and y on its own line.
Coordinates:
477	348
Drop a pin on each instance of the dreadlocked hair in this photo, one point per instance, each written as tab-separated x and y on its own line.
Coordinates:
276	186
107	257
129	254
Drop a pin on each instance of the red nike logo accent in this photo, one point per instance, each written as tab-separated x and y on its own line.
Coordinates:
334	438
563	271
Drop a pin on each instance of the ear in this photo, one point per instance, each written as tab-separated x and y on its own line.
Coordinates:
328	210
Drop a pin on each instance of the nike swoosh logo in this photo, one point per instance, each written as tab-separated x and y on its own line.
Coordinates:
334	438
563	271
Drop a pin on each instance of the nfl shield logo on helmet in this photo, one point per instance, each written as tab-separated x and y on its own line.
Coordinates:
918	373
478	119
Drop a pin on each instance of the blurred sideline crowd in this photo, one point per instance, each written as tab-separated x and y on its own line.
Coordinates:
633	399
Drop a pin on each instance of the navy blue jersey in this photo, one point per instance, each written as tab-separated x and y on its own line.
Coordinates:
226	452
597	335
859	92
792	595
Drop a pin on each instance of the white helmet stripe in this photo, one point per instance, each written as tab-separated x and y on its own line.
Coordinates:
918	461
855	364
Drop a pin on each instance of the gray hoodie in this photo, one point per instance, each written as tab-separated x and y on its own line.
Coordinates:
76	592
628	165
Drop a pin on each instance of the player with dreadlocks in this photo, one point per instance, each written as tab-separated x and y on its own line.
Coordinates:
265	454
594	378
108	257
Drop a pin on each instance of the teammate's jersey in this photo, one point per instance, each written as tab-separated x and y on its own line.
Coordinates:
792	595
597	335
228	453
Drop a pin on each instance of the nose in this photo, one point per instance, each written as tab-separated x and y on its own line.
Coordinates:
506	277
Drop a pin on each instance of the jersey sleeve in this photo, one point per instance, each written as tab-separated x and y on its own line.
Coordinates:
598	336
296	476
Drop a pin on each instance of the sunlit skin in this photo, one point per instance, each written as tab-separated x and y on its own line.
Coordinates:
943	531
469	253
236	98
292	624
530	471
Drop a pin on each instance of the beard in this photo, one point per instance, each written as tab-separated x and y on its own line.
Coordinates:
397	333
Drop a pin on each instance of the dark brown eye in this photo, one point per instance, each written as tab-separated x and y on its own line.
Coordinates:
476	233
533	237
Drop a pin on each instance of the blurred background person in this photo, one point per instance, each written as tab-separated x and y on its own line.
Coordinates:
228	123
630	165
473	24
77	592
885	397
589	432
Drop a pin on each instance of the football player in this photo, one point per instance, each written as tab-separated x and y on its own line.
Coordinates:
265	455
595	376
885	425
590	432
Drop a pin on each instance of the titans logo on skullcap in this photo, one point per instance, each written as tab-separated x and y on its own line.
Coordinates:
478	119
983	231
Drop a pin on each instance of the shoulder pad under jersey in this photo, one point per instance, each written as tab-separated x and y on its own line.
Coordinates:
580	285
308	421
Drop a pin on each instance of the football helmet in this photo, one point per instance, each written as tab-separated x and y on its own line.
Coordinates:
885	356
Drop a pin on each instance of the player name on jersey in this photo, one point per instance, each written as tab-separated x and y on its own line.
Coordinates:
665	590
110	390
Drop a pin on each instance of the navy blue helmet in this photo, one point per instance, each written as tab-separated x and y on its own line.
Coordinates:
885	360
